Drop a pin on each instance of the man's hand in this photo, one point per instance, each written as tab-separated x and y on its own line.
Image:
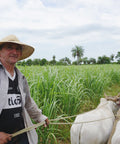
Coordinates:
46	123
4	138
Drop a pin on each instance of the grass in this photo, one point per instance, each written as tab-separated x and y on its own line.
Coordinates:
69	90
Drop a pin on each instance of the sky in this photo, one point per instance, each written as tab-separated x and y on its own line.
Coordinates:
54	27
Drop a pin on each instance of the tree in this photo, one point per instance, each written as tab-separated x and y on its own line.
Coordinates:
92	61
118	57
106	60
112	57
80	61
103	60
65	61
43	62
53	61
29	62
77	51
99	61
85	60
53	57
36	62
74	63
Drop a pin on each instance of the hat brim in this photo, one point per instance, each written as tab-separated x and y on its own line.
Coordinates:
26	49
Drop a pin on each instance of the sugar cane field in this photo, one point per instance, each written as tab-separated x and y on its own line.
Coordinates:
62	91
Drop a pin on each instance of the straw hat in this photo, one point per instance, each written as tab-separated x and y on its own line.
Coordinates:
26	49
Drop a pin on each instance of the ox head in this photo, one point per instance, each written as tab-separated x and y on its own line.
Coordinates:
115	99
114	102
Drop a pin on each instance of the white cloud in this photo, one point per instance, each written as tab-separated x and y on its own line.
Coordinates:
57	26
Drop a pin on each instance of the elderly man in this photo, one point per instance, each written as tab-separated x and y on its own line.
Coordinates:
16	104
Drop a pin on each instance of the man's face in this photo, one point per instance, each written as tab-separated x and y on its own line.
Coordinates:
10	53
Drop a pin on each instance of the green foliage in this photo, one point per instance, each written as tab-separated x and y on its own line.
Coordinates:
29	62
78	52
65	61
36	62
67	90
118	56
43	62
92	61
103	60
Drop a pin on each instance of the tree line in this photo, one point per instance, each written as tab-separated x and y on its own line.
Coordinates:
78	52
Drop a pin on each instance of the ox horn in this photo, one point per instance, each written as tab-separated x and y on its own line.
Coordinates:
112	98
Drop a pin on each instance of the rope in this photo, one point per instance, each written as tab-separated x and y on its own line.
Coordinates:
28	129
78	114
61	123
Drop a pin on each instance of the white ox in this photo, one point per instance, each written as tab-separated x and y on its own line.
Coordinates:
115	137
94	127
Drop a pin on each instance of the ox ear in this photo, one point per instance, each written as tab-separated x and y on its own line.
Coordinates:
106	97
118	95
102	100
